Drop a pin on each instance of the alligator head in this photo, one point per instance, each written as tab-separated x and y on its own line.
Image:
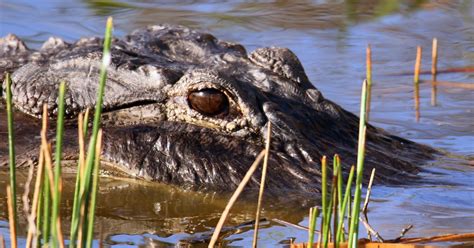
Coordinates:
182	107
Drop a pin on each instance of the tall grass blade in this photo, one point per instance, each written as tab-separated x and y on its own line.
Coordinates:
342	210
46	188
46	209
336	193
324	203
57	167
354	225
31	239
332	202
59	232
86	181
262	184
95	186
48	225
11	145
80	170
339	185
314	213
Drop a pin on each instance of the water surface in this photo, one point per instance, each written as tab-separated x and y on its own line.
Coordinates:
330	38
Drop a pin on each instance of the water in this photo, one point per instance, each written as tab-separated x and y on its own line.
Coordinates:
330	38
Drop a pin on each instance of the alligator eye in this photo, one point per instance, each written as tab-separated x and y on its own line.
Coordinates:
209	102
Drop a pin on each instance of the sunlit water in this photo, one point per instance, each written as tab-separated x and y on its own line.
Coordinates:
330	38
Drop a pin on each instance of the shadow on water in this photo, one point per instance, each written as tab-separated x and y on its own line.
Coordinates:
330	38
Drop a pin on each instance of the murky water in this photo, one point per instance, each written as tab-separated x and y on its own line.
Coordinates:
330	38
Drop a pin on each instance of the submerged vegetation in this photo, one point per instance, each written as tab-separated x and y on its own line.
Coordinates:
340	205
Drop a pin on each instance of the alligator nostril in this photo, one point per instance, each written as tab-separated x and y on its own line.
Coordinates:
209	102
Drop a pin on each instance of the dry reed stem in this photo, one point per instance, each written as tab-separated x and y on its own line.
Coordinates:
370	229
49	167
34	205
80	134
32	231
434	65
26	204
441	238
416	80
368	62
234	197
26	192
2	241
367	199
410	242
365	244
403	232
262	184
11	217
80	235
47	156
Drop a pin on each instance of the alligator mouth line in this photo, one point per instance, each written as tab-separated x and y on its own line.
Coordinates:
138	103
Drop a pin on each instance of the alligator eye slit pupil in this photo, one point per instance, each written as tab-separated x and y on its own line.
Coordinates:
209	102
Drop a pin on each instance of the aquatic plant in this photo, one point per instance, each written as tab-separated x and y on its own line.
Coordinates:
45	208
354	225
11	189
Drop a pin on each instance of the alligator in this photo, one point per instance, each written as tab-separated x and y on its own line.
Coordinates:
182	107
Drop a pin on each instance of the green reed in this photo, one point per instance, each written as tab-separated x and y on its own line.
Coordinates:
338	204
337	163
354	225
327	216
48	189
335	189
57	167
11	145
79	220
43	214
334	206
324	203
314	213
93	199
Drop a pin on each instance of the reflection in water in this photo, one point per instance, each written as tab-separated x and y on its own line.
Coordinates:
330	38
260	15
